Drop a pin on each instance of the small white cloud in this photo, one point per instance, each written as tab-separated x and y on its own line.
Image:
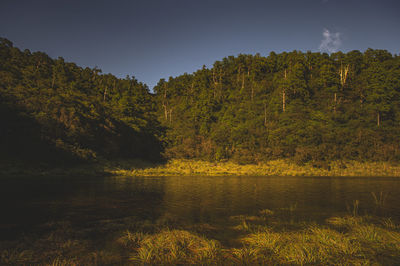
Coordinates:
331	41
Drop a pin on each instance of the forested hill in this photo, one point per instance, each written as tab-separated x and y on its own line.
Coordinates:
55	111
305	106
249	108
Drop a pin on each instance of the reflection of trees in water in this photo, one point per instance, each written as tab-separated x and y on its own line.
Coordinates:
213	199
84	203
191	200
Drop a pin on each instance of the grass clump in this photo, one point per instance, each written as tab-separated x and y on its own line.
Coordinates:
259	239
176	247
131	239
15	257
62	262
312	246
349	240
343	240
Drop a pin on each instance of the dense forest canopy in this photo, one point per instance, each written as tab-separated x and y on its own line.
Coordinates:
51	110
304	106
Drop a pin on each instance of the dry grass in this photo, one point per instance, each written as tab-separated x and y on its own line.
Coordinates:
272	168
262	239
343	240
361	243
177	247
184	167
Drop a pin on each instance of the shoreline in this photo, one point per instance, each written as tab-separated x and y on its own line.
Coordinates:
179	167
261	239
188	167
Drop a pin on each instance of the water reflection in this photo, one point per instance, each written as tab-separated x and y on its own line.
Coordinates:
209	199
84	202
26	205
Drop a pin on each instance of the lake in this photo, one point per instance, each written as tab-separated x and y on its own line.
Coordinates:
93	212
27	204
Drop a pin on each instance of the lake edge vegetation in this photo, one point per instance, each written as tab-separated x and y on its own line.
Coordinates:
342	240
268	237
180	167
189	167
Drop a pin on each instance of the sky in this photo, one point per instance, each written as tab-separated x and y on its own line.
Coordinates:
154	39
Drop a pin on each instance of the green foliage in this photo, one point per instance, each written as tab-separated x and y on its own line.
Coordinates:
56	111
309	107
305	106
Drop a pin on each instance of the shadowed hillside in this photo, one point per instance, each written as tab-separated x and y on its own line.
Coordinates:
52	110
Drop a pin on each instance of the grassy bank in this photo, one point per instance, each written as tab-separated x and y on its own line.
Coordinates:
263	239
345	241
181	167
271	168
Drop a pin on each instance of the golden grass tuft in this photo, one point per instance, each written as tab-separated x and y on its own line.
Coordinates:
176	247
365	241
316	245
267	240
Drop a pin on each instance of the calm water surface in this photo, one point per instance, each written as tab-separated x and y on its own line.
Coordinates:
27	204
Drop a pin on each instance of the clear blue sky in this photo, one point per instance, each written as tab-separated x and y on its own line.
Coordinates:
153	39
